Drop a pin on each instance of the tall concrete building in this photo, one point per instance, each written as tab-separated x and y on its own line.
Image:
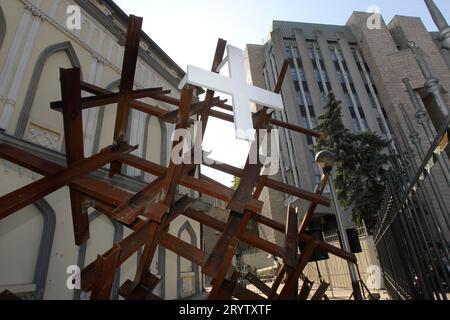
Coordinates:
364	67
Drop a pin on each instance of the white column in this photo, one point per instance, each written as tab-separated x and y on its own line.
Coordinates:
53	8
100	43
119	58
90	33
345	74
10	63
110	49
95	76
20	73
92	114
90	79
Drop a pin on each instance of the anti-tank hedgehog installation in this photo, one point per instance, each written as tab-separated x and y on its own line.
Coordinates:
149	212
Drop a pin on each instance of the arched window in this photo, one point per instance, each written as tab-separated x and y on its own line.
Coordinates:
188	272
36	123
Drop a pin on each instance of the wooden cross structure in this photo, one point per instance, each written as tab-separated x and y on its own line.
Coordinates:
150	211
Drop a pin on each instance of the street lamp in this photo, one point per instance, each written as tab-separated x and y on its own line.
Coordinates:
326	160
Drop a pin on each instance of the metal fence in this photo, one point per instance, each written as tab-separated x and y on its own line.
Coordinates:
412	236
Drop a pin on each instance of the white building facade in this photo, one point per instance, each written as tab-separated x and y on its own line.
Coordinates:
37	244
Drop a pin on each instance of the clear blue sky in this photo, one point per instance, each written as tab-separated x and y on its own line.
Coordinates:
188	31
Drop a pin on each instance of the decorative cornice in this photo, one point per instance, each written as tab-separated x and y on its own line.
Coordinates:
34	11
99	58
32	8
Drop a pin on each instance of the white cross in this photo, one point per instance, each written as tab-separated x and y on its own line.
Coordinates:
238	88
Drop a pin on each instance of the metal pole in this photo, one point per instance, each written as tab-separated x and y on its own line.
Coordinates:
423	119
345	243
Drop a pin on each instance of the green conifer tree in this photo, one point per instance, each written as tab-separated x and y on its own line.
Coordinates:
361	163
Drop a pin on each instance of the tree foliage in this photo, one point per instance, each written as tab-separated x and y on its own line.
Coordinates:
360	163
236	183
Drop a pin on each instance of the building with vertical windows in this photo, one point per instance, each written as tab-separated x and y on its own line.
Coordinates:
364	68
35	43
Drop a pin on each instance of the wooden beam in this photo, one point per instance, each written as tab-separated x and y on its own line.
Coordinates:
218	58
305	195
72	114
262	244
183	249
108	98
312	207
196	108
101	192
143	291
169	185
290	289
131	208
129	246
150	246
291	239
321	291
243	293
232	230
228	287
239	216
305	289
295	128
211	189
276	284
73	135
304	238
223	268
273	184
281	76
126	84
131	292
261	286
105	271
180	207
175	172
29	194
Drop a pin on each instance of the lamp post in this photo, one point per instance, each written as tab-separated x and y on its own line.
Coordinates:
326	159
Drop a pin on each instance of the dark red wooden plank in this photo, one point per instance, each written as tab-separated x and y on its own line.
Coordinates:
254	280
290	289
29	194
73	135
291	239
312	207
223	269
126	84
105	271
306	289
321	291
276	284
183	249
